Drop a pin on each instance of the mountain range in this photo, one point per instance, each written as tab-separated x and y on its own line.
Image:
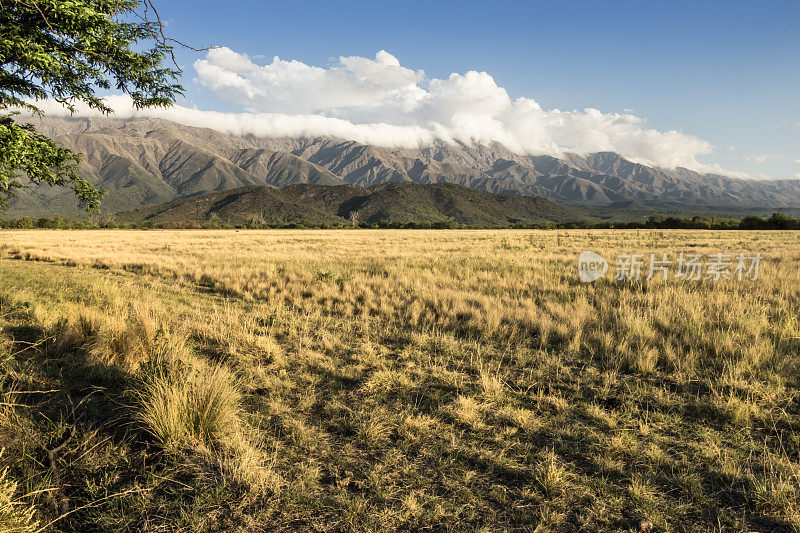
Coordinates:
145	162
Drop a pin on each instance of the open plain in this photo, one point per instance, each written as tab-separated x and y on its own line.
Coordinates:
395	380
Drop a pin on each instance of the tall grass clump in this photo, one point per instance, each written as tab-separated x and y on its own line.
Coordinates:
123	340
191	407
126	342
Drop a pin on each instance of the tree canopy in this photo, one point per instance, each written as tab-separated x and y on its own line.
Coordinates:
68	50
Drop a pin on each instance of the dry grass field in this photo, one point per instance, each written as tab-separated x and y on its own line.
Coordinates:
394	380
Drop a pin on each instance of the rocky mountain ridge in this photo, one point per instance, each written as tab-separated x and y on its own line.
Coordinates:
150	161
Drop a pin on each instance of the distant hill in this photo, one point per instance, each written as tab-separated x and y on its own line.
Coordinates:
147	162
390	203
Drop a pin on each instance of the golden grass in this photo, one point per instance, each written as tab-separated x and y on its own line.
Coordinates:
415	379
196	407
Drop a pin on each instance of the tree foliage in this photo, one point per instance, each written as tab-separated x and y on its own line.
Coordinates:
68	50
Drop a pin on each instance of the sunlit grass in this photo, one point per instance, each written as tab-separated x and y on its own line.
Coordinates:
374	380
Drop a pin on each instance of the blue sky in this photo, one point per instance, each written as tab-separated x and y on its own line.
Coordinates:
726	72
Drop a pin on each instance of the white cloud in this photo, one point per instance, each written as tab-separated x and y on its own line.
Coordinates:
296	88
468	107
378	101
260	124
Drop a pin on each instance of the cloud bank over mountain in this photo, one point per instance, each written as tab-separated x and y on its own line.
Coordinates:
380	102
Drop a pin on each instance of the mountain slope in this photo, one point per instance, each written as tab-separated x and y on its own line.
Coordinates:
281	168
148	161
390	203
237	206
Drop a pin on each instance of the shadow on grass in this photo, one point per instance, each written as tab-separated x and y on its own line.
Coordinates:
75	440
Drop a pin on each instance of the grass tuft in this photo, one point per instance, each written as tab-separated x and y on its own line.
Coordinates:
192	407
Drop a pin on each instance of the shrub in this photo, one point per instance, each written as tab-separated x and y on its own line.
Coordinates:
213	223
753	222
24	223
782	221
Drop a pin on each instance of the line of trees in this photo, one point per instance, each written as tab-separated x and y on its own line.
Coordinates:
778	221
213	223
